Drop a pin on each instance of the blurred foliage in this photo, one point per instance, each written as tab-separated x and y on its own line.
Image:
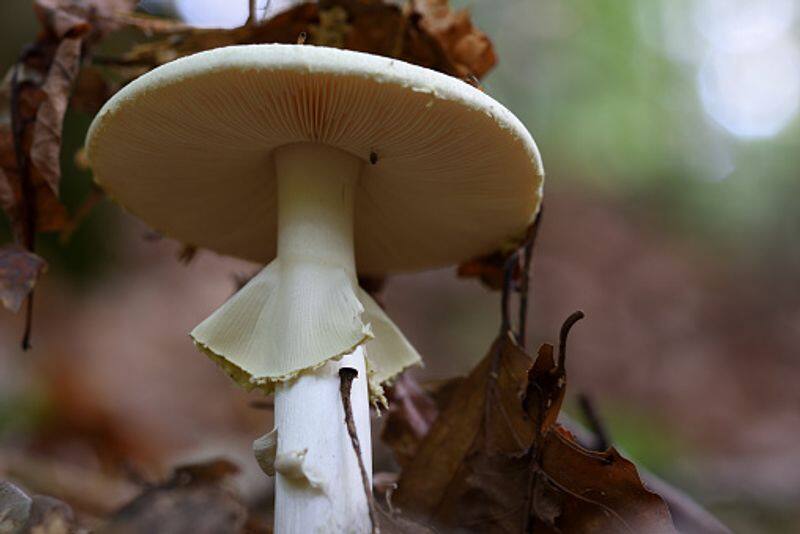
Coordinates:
611	109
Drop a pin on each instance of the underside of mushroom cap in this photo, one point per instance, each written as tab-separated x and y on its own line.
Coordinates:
449	173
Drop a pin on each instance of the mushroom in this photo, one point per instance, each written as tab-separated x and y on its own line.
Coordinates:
322	163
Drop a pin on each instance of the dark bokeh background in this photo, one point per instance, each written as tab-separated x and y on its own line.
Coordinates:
669	133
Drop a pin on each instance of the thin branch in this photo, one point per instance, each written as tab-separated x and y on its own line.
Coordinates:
562	338
596	425
252	16
26	333
346	377
508	281
528	249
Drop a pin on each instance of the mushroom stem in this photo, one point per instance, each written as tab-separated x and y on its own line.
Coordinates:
318	485
318	482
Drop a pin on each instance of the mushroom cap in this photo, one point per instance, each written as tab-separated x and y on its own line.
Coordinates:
448	174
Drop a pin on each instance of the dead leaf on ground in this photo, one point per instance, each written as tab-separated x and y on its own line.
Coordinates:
36	514
15	507
495	460
19	271
195	499
408	419
394	523
483	419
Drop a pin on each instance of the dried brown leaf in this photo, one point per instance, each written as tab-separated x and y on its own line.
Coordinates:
496	460
468	49
195	499
15	507
19	271
595	492
409	417
61	17
92	18
395	523
50	516
484	418
45	147
372	26
489	269
37	514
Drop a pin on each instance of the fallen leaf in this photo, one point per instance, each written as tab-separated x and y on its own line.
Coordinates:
19	271
45	147
408	419
579	490
15	507
194	499
491	268
468	49
37	514
61	18
495	460
372	26
484	418
50	516
392	522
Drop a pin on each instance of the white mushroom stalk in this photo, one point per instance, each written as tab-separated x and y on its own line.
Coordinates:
306	316
318	485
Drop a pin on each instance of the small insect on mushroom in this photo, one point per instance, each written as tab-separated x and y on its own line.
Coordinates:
273	171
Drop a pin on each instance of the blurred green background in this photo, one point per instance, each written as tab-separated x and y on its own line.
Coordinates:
669	134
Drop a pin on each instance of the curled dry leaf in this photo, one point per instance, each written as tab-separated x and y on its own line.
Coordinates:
19	271
491	268
484	419
410	415
194	499
394	523
373	26
495	460
45	147
39	514
15	507
468	49
33	100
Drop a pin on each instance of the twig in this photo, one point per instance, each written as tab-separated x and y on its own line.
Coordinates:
508	279
528	248
346	377
26	333
263	404
252	10
596	425
562	337
512	268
